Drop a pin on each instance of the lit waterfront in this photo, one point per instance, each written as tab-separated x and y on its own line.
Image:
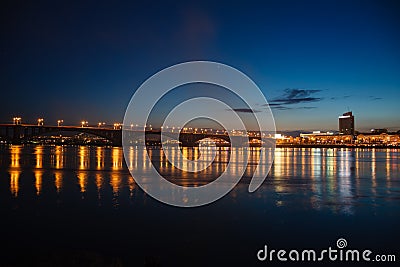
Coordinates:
104	167
103	134
83	198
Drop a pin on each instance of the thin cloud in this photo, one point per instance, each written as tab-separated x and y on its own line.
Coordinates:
306	107
289	101
282	107
293	93
371	97
277	106
340	97
292	96
244	110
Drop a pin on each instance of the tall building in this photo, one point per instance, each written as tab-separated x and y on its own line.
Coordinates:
346	123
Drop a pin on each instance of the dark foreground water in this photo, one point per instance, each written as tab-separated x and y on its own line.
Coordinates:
79	206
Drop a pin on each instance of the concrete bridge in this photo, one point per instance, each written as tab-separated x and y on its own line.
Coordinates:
17	133
185	138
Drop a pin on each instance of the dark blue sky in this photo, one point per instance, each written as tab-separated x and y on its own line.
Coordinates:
312	59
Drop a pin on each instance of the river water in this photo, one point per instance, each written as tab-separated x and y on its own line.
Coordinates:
79	206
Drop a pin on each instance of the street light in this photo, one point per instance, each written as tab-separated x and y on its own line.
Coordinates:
40	122
84	123
17	120
59	122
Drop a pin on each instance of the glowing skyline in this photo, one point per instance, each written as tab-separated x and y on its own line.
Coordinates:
313	60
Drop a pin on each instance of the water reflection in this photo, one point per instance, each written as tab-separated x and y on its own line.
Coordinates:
83	157
14	182
38	152
59	157
117	158
100	158
115	182
131	185
38	181
99	185
82	181
15	172
39	156
58	181
15	154
318	178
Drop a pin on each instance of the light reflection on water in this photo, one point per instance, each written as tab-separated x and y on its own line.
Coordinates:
56	198
337	179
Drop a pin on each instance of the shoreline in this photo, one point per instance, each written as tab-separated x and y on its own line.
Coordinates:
336	146
379	146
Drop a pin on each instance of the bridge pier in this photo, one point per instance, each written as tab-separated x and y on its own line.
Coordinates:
17	134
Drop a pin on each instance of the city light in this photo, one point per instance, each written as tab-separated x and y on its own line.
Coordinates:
376	137
117	126
17	120
40	122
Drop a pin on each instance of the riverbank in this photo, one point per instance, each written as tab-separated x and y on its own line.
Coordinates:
368	146
335	146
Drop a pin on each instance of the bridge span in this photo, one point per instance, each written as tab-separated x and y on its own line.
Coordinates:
17	133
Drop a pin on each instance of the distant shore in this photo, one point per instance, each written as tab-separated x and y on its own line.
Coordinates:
334	146
367	146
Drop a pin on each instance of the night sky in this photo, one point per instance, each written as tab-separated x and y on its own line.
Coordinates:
313	60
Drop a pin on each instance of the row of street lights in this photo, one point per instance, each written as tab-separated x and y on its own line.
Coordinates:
40	122
117	125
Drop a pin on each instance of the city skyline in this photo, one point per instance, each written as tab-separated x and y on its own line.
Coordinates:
206	125
313	60
199	133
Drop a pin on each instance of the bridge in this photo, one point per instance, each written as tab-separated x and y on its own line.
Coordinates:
17	133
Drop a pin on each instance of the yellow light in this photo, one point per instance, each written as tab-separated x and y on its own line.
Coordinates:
40	121
17	120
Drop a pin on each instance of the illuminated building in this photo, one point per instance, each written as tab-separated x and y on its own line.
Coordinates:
378	139
346	123
318	137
